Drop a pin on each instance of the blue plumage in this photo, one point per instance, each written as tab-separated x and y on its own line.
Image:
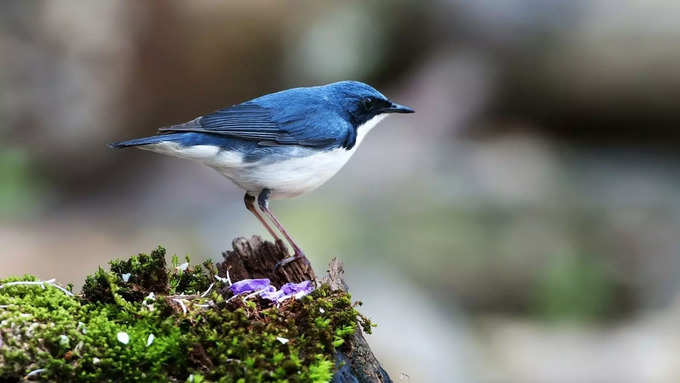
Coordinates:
321	117
281	144
252	151
142	141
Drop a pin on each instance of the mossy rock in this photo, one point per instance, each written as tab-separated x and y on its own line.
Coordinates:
144	322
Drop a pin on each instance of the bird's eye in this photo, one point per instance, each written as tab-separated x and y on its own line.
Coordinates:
368	102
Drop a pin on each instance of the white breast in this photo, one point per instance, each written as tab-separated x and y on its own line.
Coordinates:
292	177
285	179
300	175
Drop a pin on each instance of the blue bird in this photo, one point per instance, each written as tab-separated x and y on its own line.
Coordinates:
279	145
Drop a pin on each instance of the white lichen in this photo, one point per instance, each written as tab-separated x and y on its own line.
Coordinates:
123	337
34	373
226	280
64	341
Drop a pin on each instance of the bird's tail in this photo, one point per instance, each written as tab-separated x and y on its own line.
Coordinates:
142	141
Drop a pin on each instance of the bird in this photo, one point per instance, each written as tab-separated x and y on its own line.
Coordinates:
279	145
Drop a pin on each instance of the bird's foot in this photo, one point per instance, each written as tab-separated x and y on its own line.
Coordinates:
295	257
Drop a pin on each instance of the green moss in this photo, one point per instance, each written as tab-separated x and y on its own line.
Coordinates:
202	339
144	273
321	371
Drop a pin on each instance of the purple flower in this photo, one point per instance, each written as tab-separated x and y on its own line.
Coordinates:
271	293
248	285
290	290
303	288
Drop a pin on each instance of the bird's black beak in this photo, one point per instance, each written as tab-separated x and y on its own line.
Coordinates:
396	108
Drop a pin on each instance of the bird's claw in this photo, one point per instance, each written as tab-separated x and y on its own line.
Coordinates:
288	260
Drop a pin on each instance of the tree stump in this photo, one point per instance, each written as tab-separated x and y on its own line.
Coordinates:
144	321
255	258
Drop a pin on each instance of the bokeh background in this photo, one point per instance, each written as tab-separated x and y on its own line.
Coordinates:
522	226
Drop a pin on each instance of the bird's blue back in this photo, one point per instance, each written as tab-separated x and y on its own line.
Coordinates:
320	117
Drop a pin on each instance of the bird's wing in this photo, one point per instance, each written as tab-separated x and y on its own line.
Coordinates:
272	126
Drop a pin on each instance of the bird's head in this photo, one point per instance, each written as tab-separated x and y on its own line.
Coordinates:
360	102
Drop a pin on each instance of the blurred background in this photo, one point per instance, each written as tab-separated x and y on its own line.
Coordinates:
529	230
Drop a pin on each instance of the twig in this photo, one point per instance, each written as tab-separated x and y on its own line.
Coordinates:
181	304
208	290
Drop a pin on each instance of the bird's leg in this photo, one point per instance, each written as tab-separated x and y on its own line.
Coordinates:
263	202
250	205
